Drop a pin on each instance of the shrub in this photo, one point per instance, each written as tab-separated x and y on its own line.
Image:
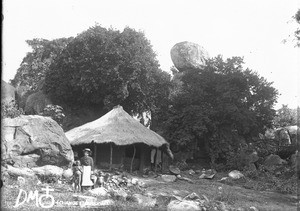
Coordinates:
10	110
55	112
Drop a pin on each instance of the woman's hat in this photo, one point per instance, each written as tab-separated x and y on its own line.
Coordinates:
87	149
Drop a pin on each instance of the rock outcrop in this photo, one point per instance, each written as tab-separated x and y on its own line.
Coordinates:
30	141
8	92
188	55
36	103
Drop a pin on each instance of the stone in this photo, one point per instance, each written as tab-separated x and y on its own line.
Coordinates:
188	55
273	160
191	172
120	193
144	201
235	174
223	178
252	208
48	170
168	178
25	172
192	196
34	141
99	192
208	174
68	173
134	181
36	103
174	170
186	205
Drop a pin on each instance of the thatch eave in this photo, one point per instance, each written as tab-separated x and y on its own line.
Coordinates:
116	127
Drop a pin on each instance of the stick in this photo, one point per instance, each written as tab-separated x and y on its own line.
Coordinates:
111	151
132	158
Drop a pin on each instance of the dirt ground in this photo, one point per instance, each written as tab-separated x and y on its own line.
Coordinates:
215	192
236	197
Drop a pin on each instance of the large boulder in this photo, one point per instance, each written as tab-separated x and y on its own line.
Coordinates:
36	103
7	92
29	141
188	55
294	132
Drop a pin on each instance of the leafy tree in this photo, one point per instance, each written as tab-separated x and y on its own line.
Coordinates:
286	117
106	67
219	107
35	64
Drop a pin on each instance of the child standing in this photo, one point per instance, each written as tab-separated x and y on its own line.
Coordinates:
77	173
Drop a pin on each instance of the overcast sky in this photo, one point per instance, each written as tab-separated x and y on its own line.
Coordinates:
253	29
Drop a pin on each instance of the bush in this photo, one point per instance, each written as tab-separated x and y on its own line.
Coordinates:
55	112
10	110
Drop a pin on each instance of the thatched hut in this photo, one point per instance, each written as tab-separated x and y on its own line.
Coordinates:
117	139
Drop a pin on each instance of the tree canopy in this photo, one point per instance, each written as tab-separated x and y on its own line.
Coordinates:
35	64
219	103
286	116
106	67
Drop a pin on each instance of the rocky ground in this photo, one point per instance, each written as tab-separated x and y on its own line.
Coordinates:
122	191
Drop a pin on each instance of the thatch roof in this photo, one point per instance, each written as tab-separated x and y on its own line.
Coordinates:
117	127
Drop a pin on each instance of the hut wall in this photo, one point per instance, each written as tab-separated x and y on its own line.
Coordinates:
103	155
